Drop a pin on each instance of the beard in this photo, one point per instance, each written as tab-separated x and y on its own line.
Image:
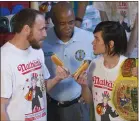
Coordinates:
33	42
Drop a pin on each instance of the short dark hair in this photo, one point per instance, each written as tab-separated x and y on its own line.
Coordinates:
26	16
112	30
59	8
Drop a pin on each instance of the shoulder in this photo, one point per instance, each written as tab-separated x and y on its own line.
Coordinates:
83	35
36	51
95	62
85	32
39	53
6	52
122	58
98	59
5	47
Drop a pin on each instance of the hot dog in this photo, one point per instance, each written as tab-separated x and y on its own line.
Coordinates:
56	60
82	68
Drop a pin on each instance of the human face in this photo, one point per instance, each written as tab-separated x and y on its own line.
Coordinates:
65	23
98	44
38	32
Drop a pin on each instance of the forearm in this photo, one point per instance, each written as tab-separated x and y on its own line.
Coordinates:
4	115
81	9
133	38
50	83
87	95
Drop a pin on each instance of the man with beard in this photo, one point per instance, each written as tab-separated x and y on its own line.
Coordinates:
72	45
22	58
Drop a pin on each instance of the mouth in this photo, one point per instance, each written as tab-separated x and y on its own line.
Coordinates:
68	32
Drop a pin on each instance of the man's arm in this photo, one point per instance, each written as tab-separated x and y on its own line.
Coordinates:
61	73
133	37
4	116
86	92
80	12
103	16
50	83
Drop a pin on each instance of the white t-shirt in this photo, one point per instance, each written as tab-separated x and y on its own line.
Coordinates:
102	84
22	81
125	12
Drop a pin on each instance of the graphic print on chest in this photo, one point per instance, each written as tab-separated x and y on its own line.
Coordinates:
31	66
34	89
102	83
104	110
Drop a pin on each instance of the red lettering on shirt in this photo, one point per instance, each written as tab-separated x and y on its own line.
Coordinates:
29	67
102	83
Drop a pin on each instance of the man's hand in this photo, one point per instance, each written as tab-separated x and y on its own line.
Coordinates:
82	79
62	73
86	92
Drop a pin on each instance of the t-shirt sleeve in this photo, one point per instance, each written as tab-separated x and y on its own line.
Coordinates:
45	70
6	79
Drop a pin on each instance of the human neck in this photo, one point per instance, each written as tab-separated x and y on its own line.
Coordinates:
111	61
20	42
62	38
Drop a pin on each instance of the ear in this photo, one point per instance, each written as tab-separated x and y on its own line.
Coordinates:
26	29
111	44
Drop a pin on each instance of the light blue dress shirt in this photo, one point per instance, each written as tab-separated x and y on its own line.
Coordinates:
72	54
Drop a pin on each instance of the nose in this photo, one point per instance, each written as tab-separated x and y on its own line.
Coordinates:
67	27
92	42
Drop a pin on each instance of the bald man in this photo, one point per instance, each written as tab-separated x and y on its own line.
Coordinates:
72	45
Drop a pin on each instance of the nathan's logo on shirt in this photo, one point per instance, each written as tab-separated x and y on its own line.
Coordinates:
79	55
102	83
48	54
29	67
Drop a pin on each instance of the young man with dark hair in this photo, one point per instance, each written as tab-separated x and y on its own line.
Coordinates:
110	41
22	60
